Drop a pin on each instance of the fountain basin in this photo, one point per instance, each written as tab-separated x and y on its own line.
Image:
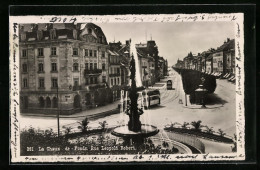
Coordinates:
146	131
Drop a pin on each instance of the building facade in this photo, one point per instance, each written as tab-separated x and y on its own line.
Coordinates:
64	67
220	60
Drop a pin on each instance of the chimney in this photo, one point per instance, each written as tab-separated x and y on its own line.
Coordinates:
49	26
228	39
21	28
34	27
127	42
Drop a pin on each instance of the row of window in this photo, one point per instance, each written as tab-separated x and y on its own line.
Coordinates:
40	52
91	80
91	53
40	67
54	83
114	82
88	66
115	70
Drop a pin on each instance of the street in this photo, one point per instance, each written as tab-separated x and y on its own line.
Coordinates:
168	112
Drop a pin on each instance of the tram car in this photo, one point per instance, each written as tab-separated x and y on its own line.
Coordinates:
151	97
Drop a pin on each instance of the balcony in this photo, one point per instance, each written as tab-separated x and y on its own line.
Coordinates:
92	72
75	88
93	87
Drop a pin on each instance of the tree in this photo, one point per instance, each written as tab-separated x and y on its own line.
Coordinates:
165	144
175	150
184	125
197	125
83	125
67	129
221	132
209	130
103	125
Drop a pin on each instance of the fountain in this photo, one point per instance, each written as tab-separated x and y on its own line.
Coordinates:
134	132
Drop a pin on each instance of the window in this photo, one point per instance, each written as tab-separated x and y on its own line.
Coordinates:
95	80
25	68
41	82
75	51
103	54
95	66
103	79
75	67
25	83
91	66
118	70
91	80
111	82
53	50
95	53
54	82
40	51
76	82
118	81
86	66
103	66
86	52
24	53
90	53
86	83
40	67
54	67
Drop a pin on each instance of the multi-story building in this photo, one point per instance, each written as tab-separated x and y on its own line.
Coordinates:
64	67
221	60
209	63
223	57
179	64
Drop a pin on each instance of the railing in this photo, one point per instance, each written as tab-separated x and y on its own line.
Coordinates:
186	139
96	86
95	71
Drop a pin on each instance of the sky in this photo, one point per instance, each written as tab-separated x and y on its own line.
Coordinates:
174	40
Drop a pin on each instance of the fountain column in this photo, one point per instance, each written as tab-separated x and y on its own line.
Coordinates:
134	113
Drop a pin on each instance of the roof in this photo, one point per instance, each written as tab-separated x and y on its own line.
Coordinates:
227	45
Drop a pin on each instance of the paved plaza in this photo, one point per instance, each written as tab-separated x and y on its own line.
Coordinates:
168	112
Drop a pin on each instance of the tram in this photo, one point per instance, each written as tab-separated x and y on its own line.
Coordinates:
151	97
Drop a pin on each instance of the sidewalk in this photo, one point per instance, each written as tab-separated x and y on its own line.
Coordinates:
90	112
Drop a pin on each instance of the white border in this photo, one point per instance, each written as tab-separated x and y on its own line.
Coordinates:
237	18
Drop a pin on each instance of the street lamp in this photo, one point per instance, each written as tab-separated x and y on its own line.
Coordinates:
200	93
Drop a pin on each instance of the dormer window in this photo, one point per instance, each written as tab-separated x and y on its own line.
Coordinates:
75	34
52	34
39	35
23	36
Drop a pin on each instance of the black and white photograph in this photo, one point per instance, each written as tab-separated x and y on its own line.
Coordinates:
127	88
